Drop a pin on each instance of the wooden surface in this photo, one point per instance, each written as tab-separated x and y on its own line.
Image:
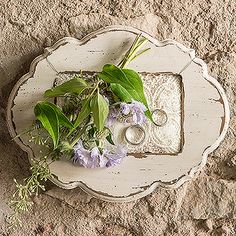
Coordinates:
205	112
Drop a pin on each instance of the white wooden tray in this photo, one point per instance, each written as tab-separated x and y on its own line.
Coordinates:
204	112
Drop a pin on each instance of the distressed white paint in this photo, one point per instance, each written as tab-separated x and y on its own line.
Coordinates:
206	111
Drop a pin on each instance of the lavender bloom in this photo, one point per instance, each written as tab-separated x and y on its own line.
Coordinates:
125	108
97	160
86	158
94	159
128	113
116	158
136	109
112	116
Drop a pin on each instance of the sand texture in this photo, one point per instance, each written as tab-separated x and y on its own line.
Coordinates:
204	206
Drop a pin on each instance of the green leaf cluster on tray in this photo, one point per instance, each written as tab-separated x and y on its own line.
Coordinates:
82	117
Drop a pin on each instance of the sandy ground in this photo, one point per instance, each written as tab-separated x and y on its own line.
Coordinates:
204	206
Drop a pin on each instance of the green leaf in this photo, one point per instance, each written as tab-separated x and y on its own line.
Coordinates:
121	92
113	74
73	86
49	119
129	80
134	78
100	110
138	95
63	120
85	111
109	139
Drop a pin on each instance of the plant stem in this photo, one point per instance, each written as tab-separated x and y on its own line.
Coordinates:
139	54
78	136
131	54
134	44
90	95
95	88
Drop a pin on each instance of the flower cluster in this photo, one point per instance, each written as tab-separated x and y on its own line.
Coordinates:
94	158
133	113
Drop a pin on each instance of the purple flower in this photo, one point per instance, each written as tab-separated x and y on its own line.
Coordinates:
117	157
128	113
86	158
136	109
94	158
112	116
125	108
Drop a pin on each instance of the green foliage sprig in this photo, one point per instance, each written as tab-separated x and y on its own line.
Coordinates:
32	186
82	117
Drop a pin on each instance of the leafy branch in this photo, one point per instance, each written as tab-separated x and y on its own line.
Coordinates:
83	116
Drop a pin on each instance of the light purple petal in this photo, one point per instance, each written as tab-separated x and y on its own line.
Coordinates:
139	106
134	112
125	108
112	116
113	162
95	153
81	155
135	118
110	121
103	161
140	118
121	149
84	157
117	157
136	109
